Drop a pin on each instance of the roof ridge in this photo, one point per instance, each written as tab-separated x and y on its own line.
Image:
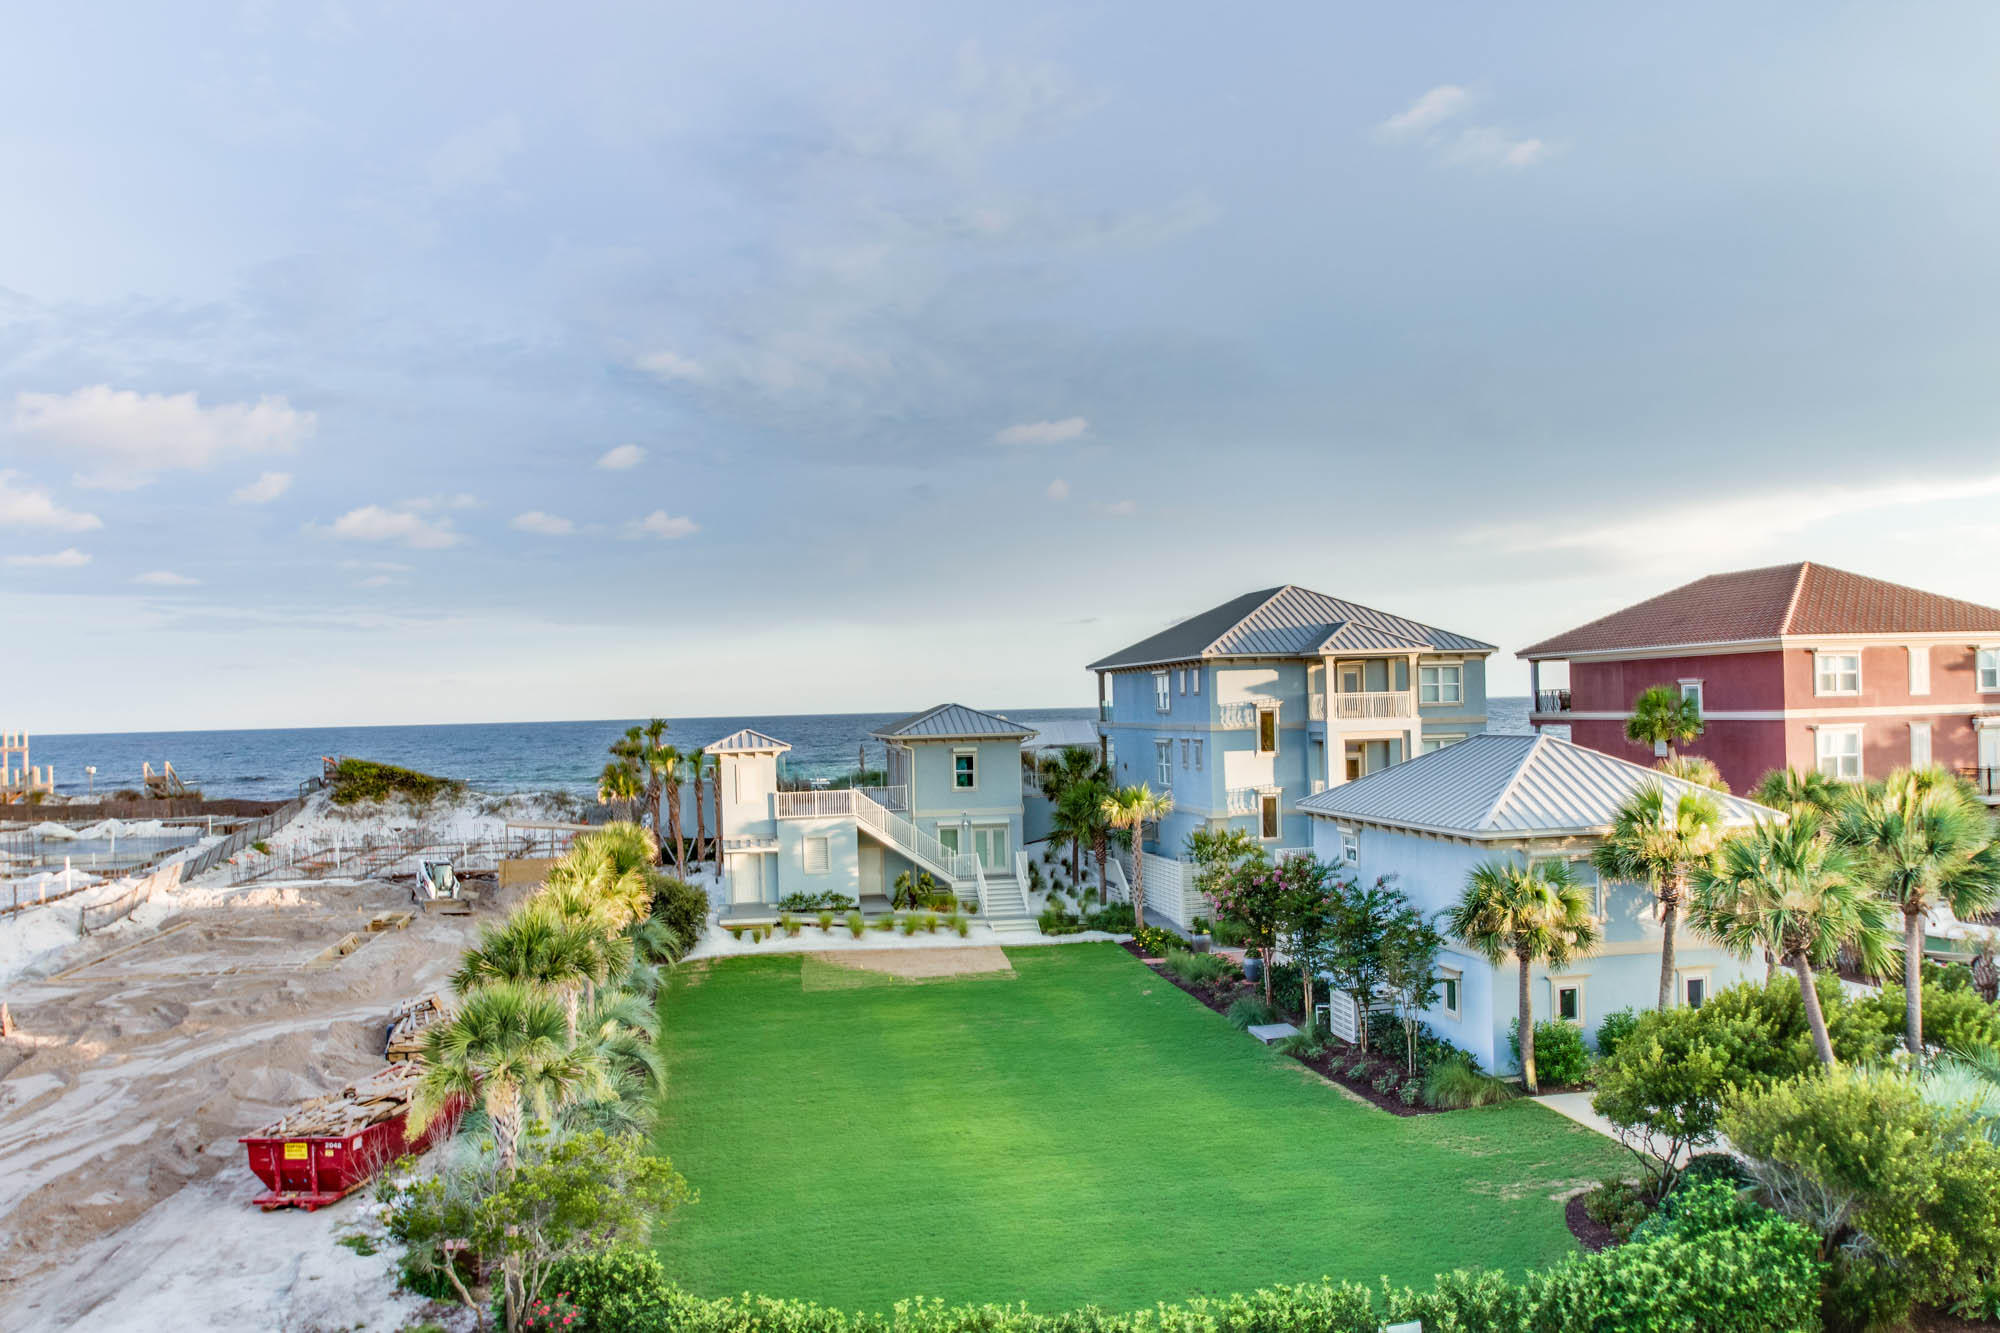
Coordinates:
1269	597
1520	770
1792	605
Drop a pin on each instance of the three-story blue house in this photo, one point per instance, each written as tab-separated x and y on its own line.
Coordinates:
1248	708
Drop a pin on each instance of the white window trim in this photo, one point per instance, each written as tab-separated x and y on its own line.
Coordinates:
1197	756
1557	985
1699	696
825	855
1922	729
1920	668
1277	803
1163	762
973	754
1186	745
1978	652
1443	740
1705	977
1196	673
1457	694
1860	750
1823	653
1163	696
1181	675
1457	978
1275	728
1350	845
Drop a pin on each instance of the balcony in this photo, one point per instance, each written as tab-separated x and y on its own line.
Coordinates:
1243	716
1985	780
1371	704
1552	701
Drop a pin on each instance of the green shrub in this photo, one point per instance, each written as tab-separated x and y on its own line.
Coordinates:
1455	1084
931	922
788	923
885	924
1411	1092
1199	969
1386	1081
825	901
1613	1029
958	922
1777	1040
1385	1037
1618	1205
1302	1046
1055	920
826	921
1114	919
1250	1011
356	780
736	932
1156	942
1955	1018
681	907
911	923
618	1290
855	924
1561	1058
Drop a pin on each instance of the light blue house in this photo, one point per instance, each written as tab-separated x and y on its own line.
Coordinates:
1245	710
1523	799
951	808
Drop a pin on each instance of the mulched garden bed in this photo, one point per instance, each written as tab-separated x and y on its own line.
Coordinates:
1331	1065
1590	1233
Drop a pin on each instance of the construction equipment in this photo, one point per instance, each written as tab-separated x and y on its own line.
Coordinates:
331	1146
437	889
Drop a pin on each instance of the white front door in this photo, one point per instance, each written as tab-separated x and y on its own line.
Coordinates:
990	842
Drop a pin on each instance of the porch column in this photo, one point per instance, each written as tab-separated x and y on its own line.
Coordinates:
1535	685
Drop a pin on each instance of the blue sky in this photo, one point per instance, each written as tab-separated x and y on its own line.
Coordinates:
369	363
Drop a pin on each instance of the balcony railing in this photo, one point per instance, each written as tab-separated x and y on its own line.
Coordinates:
1104	710
1372	703
1985	780
1242	716
1552	701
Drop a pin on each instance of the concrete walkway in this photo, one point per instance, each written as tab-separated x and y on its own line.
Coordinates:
1576	1106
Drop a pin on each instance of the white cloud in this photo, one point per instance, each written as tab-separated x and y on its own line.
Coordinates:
393	566
1043	432
665	526
623	457
1727	528
669	365
378	581
374	523
1119	508
165	578
69	558
424	504
547	525
476	156
268	487
1432	109
24	507
135	435
1490	146
1058	489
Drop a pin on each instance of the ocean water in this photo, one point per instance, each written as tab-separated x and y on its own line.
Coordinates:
492	756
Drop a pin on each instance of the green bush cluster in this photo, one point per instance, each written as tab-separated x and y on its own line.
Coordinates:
355	780
681	908
1613	1029
1561	1058
1156	941
1713	1267
816	902
1955	1017
1385	1034
1200	969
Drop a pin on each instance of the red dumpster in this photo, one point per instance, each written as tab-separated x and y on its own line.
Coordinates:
330	1146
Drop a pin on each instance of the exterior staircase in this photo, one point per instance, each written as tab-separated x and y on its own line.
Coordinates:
1006	907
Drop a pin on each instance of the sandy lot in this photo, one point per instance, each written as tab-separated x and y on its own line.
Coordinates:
139	1058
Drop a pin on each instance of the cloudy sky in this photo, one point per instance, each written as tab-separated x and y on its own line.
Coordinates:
385	363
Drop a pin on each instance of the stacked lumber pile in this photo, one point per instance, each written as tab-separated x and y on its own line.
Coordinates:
383	1095
408	1022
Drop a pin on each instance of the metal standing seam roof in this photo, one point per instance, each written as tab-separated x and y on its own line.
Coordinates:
1288	622
746	741
1756	605
1061	732
953	722
1506	786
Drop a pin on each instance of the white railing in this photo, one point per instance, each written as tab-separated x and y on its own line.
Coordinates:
1373	703
1240	801
890	798
979	885
1242	716
1021	872
831	804
1116	888
856	804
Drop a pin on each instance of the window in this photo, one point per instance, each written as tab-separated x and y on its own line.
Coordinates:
1196	673
1448	993
1694	990
1267	816
1838	750
1267	731
1569	1002
1691	689
1350	845
1183	674
1197	756
1920	669
1442	684
965	770
817	856
1439	742
1920	745
1163	700
1836	673
1987	662
1163	754
1184	754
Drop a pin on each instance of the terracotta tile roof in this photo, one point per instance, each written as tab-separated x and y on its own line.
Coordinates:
1751	605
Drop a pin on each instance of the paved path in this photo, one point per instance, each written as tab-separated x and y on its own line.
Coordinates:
1576	1106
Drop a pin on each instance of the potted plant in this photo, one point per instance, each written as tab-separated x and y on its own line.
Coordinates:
1253	965
1202	941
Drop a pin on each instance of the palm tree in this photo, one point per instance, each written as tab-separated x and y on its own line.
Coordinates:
1133	808
1800	894
1539	913
506	1047
668	765
542	951
1663	716
1658	838
1063	770
698	764
621	787
604	918
1073	821
1693	768
621	1025
1924	843
1792	790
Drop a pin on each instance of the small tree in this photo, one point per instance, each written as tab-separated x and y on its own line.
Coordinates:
1409	973
1132	808
1358	940
1252	895
1664	1088
1663	717
1309	903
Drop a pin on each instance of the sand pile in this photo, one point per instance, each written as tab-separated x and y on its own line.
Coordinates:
140	1061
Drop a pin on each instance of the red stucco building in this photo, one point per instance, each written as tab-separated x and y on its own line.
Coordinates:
1798	665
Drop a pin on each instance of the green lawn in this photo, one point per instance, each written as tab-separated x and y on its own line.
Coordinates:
1078	1131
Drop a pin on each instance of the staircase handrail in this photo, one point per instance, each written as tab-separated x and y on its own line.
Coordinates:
1116	881
979	884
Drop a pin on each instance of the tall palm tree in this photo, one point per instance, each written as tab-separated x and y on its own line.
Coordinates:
603	917
506	1047
1792	790
1924	843
671	767
1074	819
542	951
1787	887
1133	808
620	787
1663	716
1538	913
1658	837
1694	768
653	740
1072	764
698	764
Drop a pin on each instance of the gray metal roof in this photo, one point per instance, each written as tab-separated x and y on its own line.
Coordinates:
1062	731
952	722
1506	786
746	741
1287	622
